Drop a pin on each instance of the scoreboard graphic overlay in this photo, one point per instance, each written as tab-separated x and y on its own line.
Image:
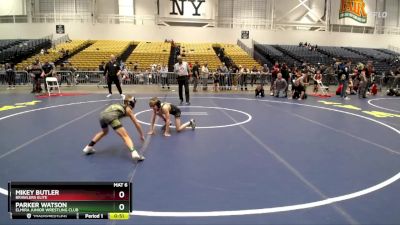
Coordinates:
70	200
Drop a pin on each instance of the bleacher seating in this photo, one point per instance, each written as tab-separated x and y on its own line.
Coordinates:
239	56
201	52
100	51
148	53
8	43
273	54
389	52
371	53
24	49
339	52
305	55
53	54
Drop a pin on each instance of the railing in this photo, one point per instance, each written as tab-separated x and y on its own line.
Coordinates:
246	48
21	78
60	40
61	17
118	19
249	23
234	81
14	19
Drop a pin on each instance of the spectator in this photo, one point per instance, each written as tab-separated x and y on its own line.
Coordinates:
224	72
228	78
216	78
264	74
47	72
235	75
164	76
65	74
10	72
280	87
374	88
243	77
254	75
196	75
259	91
101	66
204	75
362	88
285	73
369	73
275	70
344	75
350	87
396	81
36	71
317	78
299	91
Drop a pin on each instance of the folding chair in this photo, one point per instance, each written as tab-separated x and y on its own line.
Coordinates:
52	82
322	87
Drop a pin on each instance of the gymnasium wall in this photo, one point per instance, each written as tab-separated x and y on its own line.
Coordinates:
194	34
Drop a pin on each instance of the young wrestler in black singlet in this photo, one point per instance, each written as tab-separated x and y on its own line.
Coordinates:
164	110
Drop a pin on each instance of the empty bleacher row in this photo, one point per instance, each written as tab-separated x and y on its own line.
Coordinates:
304	54
53	54
200	52
295	55
239	56
371	53
99	51
272	54
148	53
389	52
4	44
339	52
17	52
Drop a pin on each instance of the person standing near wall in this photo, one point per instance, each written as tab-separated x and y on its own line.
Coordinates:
10	71
36	71
112	70
196	74
47	72
164	76
344	75
204	75
181	69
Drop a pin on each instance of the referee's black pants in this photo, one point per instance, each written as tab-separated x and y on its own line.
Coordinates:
110	80
183	81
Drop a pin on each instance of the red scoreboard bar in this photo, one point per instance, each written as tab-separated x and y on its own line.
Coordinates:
69	200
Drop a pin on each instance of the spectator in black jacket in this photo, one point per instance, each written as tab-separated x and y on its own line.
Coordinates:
196	75
47	72
10	71
344	75
36	71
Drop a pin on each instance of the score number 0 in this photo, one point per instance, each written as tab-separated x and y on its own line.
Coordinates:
121	206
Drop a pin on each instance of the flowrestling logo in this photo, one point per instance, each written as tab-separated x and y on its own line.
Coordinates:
354	9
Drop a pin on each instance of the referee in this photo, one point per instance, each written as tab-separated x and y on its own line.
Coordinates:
182	70
112	70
